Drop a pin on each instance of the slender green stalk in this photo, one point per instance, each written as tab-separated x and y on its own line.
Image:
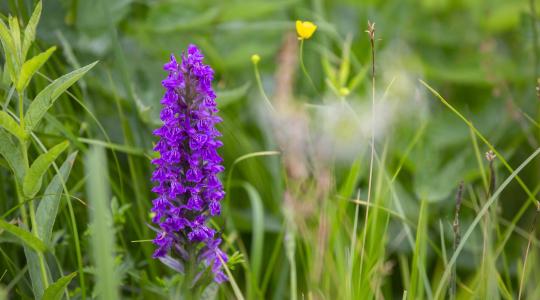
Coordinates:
42	268
457	239
188	290
531	235
78	251
21	109
531	197
303	67
260	86
479	216
371	32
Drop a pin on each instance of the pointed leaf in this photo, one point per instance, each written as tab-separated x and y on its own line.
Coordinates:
48	206
55	290
25	236
7	122
30	30
34	270
31	66
12	153
6	39
9	51
15	31
34	176
45	99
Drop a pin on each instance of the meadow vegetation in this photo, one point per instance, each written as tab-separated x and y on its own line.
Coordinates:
372	149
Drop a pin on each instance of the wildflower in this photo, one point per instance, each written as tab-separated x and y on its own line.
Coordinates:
188	189
305	29
255	58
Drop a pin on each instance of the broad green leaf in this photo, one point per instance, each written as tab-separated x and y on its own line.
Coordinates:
30	30
25	236
31	66
12	153
34	176
34	270
48	206
46	98
55	290
7	122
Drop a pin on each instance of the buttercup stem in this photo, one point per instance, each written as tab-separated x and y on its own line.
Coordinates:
303	67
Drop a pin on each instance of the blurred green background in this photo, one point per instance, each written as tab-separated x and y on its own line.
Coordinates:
482	56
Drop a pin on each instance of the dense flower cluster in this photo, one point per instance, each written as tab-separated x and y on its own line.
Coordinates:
188	189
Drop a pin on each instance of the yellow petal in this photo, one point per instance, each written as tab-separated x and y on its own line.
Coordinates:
305	29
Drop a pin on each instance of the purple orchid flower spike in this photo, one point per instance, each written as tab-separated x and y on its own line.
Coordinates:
188	189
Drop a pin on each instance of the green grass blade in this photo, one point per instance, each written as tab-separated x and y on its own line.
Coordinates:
532	197
34	176
477	219
46	98
48	206
102	238
257	241
419	254
236	289
55	290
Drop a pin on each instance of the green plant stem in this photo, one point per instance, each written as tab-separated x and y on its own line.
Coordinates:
42	267
22	198
77	247
21	110
260	86
303	67
22	201
187	287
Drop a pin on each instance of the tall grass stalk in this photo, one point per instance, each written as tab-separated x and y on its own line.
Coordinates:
371	33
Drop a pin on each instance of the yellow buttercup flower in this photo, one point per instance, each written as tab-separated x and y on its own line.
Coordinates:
305	29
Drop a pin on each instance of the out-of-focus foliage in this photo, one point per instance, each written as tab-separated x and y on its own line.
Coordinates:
288	219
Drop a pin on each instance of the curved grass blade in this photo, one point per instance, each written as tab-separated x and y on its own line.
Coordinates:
25	236
531	196
7	122
34	176
257	244
55	290
48	206
46	98
481	213
31	66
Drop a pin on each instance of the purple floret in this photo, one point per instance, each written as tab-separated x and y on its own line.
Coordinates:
188	188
